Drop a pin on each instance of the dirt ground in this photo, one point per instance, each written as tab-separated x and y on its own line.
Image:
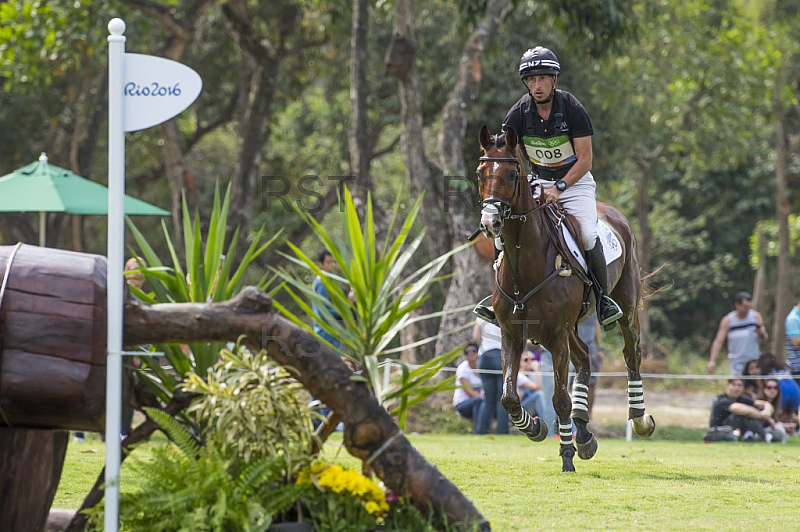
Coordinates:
682	409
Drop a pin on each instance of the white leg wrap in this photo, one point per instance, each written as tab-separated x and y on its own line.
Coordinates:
580	396
565	431
635	395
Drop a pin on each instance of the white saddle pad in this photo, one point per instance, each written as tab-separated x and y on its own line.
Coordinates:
612	249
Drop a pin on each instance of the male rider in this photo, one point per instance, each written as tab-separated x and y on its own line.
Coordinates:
556	136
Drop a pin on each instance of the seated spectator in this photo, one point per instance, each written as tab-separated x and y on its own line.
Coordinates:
736	410
771	395
752	387
468	397
529	384
769	364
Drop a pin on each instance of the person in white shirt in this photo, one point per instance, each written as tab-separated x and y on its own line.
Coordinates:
468	397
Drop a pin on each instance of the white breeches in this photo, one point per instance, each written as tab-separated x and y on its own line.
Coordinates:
579	201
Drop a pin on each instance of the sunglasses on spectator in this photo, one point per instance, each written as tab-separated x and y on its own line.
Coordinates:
770	387
472	351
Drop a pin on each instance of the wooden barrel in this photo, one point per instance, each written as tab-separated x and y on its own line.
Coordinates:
52	339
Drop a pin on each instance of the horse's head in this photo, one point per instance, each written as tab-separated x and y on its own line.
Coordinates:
499	179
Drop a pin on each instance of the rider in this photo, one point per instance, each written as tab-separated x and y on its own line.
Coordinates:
556	138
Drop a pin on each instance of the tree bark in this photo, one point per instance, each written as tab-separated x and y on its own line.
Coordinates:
472	279
760	283
260	76
30	468
360	146
782	293
644	246
368	427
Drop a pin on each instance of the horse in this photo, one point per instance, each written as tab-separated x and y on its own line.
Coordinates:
539	296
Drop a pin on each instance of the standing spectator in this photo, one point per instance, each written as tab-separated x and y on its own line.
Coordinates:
489	335
793	341
743	328
739	411
468	397
326	263
771	395
591	333
548	387
529	384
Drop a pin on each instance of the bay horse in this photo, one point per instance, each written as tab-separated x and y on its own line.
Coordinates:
548	297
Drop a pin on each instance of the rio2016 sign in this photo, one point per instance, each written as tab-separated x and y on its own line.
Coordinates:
156	89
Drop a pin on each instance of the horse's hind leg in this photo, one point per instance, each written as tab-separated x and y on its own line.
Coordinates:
533	427
584	439
643	423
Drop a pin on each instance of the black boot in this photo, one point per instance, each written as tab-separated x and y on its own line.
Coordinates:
482	311
608	312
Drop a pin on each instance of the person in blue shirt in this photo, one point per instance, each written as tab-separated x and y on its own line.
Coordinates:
793	342
326	263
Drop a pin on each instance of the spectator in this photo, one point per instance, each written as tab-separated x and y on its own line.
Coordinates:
488	335
326	263
790	391
743	328
548	387
468	397
739	411
591	333
771	395
793	341
752	387
529	383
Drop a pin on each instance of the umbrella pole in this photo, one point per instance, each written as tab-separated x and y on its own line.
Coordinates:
42	228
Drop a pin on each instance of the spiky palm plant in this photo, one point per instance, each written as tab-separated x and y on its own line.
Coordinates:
206	277
385	300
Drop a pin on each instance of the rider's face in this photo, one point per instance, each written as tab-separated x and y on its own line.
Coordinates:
541	87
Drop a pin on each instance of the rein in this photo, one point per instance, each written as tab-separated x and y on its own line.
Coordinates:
505	214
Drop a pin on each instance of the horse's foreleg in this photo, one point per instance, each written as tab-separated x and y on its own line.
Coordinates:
585	440
534	428
643	423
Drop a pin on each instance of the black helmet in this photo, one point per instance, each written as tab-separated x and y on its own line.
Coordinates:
537	62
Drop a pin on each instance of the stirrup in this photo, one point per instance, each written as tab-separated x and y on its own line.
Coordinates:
485	313
609	307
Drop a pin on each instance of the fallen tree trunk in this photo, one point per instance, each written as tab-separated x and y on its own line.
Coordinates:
370	432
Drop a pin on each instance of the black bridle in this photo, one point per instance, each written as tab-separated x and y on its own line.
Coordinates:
504	207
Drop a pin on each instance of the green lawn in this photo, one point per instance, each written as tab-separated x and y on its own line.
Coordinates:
642	485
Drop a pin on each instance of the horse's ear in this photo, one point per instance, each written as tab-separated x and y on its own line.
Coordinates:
485	138
511	138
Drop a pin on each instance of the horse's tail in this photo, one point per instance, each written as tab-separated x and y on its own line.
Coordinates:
646	289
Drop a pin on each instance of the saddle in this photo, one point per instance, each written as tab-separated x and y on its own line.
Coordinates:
557	218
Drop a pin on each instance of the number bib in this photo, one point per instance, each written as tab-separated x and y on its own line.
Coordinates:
550	152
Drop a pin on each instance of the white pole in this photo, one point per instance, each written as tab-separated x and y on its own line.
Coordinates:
116	249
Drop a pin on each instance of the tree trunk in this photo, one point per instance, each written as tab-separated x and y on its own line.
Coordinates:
782	294
644	245
261	72
423	175
30	468
472	279
370	433
360	152
759	285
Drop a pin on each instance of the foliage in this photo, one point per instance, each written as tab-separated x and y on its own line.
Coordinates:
185	487
209	276
253	411
383	303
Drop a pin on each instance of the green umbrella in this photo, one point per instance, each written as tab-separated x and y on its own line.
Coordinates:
41	187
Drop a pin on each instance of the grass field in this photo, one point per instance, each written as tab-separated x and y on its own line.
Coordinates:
680	484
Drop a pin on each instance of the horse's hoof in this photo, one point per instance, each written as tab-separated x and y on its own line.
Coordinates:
567	452
543	430
644	425
587	450
568	468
